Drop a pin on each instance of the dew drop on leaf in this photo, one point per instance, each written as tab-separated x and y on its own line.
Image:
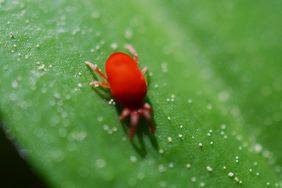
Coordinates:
100	163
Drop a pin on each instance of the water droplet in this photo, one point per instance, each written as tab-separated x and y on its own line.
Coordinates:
97	47
14	84
162	184
114	129
95	15
41	67
202	184
133	159
257	148
200	145
169	139
170	165
266	154
11	35
112	102
102	42
223	96
100	118
128	34
110	131
161	168
223	126
100	163
193	179
209	169
98	34
237	159
57	155
230	174
114	46
78	135
180	136
79	85
209	106
188	165
57	95
164	67
140	175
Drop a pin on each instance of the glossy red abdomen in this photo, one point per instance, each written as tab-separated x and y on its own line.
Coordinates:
127	83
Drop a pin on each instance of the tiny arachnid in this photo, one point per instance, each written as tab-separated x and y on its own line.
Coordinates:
128	87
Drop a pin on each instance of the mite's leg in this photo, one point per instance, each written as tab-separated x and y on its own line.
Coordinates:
97	84
144	70
96	69
147	106
134	119
147	114
125	112
132	51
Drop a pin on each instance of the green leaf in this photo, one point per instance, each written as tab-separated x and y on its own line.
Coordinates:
210	68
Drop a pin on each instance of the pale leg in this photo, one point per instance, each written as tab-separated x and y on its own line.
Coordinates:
144	70
147	114
97	84
125	112
134	119
132	51
96	69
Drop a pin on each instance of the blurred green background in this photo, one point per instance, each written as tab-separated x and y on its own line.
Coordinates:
214	83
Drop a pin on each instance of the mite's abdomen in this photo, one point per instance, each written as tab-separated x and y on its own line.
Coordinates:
127	83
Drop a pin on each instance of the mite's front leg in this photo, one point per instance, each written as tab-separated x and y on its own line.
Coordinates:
133	52
96	69
98	83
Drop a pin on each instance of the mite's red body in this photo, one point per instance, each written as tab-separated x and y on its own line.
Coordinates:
128	87
127	83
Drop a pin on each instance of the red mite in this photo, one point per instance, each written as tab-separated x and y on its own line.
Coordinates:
127	85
